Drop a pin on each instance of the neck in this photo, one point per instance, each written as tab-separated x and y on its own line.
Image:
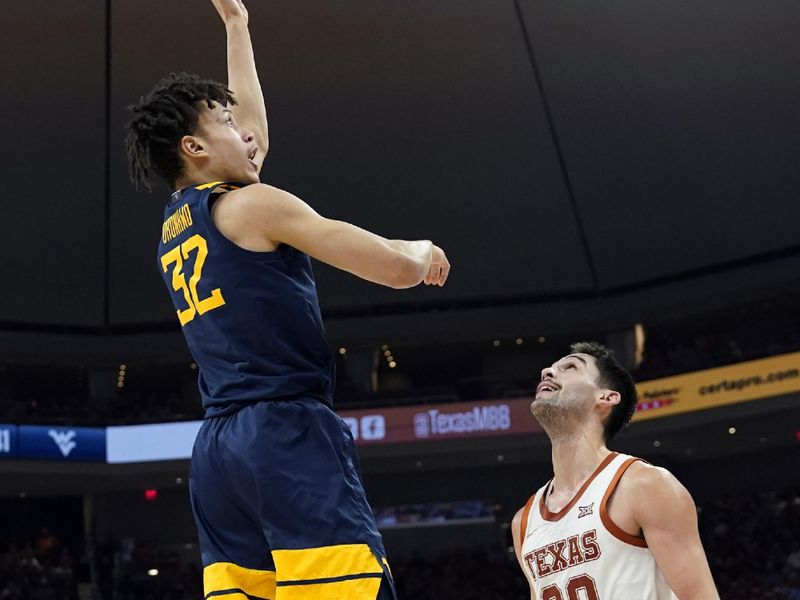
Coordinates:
197	176
575	456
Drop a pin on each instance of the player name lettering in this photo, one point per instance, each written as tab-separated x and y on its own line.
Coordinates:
486	418
176	223
563	554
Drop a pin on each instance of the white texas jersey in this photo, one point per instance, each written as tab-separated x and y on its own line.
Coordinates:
578	553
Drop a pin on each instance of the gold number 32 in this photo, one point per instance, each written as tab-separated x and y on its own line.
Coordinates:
177	255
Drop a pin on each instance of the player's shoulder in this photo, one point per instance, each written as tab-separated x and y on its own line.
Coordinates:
520	517
517	520
255	193
250	203
648	488
643	477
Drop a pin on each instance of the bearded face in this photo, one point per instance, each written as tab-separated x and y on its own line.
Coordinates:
567	393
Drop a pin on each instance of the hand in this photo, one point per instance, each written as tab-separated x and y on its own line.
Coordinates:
440	268
230	10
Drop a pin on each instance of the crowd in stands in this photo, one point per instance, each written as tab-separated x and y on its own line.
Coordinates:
42	570
676	346
752	543
745	333
125	572
461	575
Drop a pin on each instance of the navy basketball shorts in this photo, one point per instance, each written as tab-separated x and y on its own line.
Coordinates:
280	507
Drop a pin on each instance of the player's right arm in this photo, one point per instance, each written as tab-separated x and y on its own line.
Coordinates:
516	534
278	217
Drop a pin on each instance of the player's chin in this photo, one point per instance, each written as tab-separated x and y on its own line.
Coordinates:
250	176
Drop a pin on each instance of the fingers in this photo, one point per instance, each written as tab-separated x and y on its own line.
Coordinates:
438	273
444	273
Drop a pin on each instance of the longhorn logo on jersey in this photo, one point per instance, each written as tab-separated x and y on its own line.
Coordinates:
563	554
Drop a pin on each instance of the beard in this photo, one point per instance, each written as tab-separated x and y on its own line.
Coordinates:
559	412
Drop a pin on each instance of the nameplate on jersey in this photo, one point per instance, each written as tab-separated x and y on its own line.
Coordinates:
563	554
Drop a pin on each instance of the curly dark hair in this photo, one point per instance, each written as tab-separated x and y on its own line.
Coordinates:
613	376
170	111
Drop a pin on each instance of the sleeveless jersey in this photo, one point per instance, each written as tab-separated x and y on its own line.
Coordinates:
251	319
578	553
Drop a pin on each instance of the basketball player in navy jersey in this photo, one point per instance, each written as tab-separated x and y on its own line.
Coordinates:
607	526
275	484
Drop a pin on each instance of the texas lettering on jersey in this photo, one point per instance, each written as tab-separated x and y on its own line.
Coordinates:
563	554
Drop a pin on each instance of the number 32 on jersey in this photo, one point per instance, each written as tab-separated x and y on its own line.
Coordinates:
176	256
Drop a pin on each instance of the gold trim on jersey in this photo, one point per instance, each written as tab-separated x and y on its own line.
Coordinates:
325	562
222	184
224	579
349	571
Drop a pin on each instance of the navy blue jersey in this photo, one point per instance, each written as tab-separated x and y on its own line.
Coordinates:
251	319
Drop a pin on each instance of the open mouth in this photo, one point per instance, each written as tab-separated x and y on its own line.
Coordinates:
546	387
252	155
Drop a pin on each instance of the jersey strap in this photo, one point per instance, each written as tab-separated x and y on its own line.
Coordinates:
524	522
612	527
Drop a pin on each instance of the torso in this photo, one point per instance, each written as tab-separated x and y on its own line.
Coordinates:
250	315
585	550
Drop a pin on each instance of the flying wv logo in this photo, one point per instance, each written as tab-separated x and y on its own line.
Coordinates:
64	440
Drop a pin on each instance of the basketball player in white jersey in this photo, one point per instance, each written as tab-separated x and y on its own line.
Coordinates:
607	526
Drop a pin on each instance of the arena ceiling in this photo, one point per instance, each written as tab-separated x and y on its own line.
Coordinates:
580	162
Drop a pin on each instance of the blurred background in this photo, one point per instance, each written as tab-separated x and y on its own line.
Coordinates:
620	171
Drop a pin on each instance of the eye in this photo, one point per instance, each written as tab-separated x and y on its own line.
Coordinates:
571	366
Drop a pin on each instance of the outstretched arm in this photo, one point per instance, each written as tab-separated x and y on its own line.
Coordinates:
267	213
249	111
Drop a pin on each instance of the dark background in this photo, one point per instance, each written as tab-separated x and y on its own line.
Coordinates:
568	152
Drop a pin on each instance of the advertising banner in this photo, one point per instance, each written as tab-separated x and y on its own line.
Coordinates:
700	390
8	441
62	443
145	443
753	380
422	423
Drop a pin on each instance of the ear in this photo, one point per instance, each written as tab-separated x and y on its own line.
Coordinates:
607	399
192	147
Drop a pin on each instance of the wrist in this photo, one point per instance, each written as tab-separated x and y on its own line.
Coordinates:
236	23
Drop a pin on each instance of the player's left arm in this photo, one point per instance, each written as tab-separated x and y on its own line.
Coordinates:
250	111
665	511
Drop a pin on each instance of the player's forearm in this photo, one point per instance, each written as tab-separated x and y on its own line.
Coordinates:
250	110
419	251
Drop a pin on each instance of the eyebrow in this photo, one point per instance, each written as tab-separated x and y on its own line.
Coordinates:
576	356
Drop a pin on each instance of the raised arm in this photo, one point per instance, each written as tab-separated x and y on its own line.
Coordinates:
665	511
250	111
269	215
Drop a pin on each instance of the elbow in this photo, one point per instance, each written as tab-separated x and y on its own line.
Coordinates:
406	273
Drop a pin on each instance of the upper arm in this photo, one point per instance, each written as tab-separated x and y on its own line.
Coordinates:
284	218
516	535
665	511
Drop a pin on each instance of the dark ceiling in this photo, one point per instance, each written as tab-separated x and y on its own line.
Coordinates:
561	152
